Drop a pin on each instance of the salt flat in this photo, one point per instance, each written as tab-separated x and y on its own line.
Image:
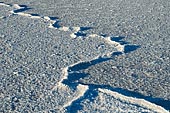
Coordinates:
84	56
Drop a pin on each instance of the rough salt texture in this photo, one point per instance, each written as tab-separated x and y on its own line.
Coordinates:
35	48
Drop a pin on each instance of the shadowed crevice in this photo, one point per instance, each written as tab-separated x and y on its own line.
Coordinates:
129	48
34	14
85	28
119	40
57	24
23	8
53	18
82	32
85	65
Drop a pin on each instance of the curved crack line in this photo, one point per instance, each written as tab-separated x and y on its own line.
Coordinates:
118	94
54	21
76	32
73	74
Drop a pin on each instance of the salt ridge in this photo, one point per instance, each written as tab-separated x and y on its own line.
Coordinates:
83	88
